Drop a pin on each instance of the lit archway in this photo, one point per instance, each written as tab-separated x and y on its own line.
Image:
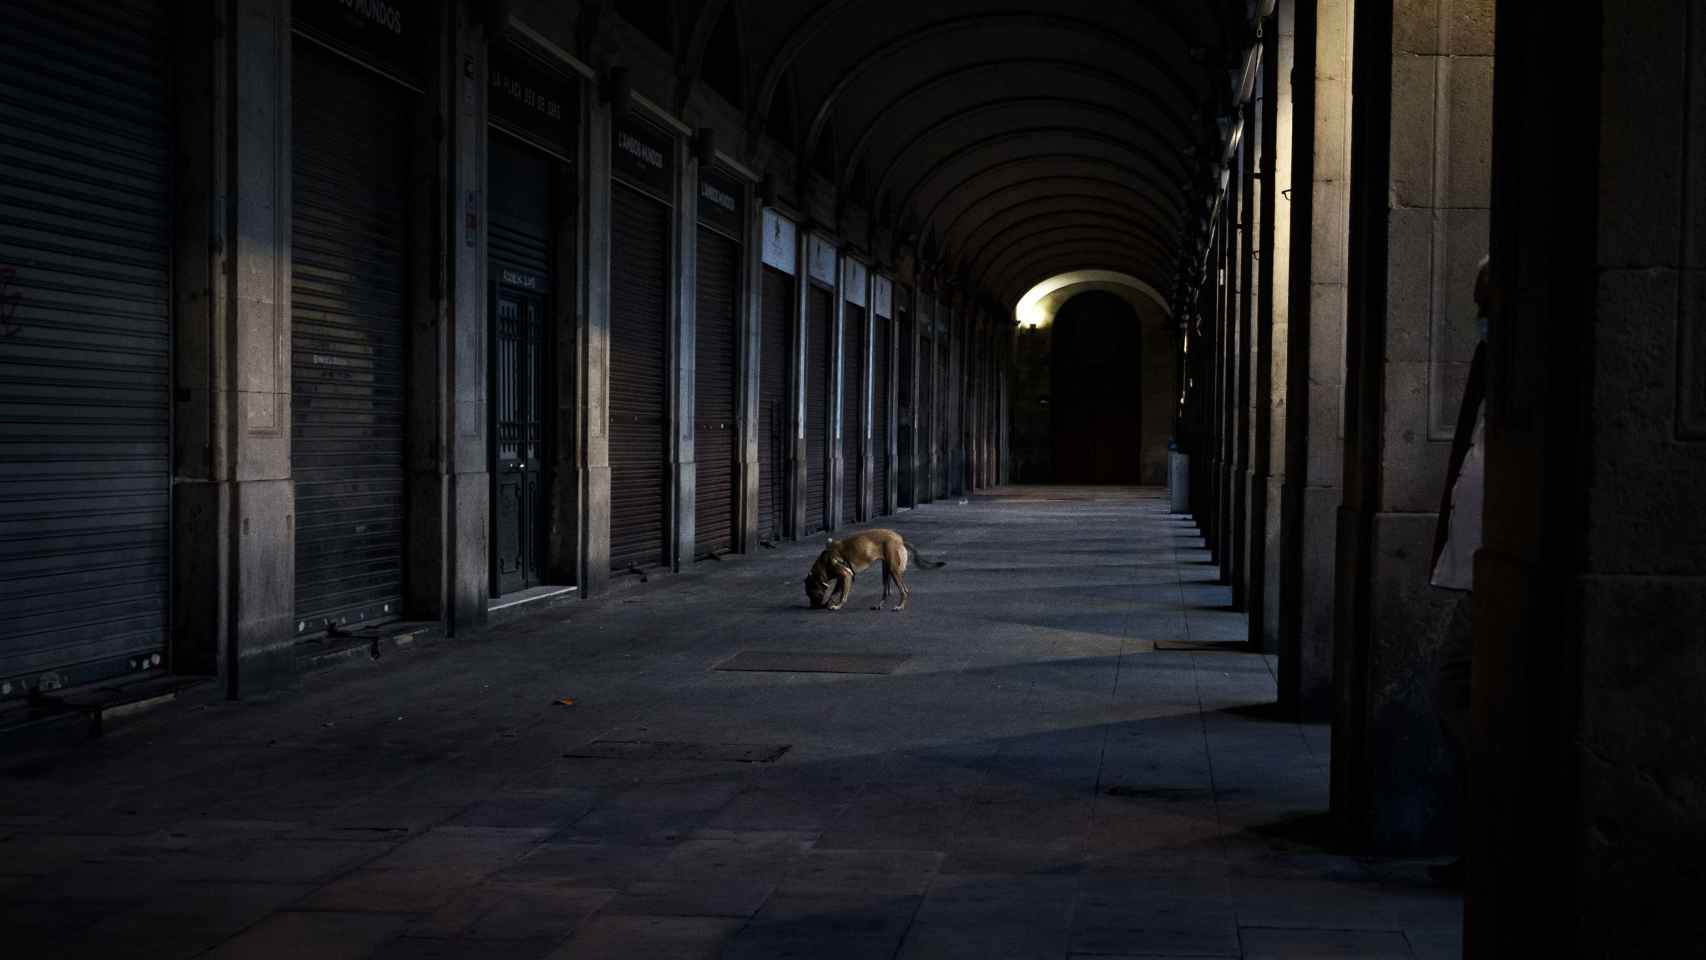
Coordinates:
1040	303
1042	439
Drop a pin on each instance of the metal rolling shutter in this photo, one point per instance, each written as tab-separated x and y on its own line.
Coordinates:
778	293
818	331
85	337
639	287
852	407
715	337
880	345
349	228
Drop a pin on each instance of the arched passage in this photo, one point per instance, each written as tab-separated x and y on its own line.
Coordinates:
1094	390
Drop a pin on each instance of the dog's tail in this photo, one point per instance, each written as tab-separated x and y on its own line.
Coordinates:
918	558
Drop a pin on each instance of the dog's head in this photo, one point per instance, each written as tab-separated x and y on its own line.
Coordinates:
817	591
822	580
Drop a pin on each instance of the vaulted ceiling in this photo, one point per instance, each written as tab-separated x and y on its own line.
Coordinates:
1004	142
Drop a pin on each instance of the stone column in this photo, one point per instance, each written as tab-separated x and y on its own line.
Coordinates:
925	472
1226	346
593	320
751	381
797	359
1419	228
1315	363
839	510
1274	317
233	505
1590	587
453	525
684	225
1243	313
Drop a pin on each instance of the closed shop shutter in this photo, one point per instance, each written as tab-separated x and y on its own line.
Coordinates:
852	407
777	298
85	371
349	297
716	369
819	329
639	288
880	346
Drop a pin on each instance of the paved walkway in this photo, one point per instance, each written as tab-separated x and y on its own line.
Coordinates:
1034	779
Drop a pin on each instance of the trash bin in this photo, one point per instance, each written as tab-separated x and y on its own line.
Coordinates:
1179	479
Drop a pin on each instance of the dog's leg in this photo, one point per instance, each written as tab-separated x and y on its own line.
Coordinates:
846	589
900	585
886	577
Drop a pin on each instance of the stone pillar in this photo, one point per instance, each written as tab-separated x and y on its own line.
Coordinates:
1590	587
1418	230
1159	393
1315	363
751	381
797	359
593	321
684	226
1202	366
233	505
453	522
1243	314
840	511
1273	319
869	496
925	473
1225	369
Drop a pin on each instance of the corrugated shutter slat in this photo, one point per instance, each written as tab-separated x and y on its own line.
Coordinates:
348	305
85	342
639	284
819	329
853	410
716	426
774	308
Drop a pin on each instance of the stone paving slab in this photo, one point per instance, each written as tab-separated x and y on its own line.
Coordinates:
1037	778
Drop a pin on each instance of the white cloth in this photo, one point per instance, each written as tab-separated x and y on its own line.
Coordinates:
1455	569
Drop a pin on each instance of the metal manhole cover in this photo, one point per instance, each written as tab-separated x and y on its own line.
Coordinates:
678	750
763	661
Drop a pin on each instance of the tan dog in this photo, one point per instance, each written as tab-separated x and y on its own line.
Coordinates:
842	559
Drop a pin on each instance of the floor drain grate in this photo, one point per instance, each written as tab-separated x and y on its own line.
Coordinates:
761	661
678	750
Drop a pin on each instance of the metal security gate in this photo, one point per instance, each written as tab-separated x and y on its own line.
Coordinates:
777	296
85	372
716	370
819	330
519	245
881	332
852	408
639	286
350	231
